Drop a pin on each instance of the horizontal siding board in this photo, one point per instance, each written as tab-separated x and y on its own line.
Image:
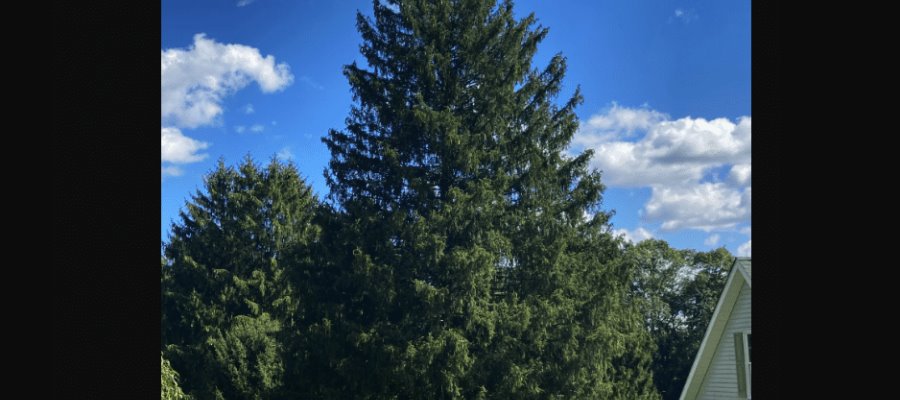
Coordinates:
720	381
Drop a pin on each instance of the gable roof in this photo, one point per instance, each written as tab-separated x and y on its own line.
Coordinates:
737	277
743	265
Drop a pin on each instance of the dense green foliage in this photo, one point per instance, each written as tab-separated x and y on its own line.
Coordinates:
454	258
458	200
169	384
678	290
228	301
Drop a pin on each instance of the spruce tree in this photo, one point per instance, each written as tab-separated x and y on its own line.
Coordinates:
230	309
469	266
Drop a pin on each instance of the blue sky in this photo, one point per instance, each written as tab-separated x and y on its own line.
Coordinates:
666	85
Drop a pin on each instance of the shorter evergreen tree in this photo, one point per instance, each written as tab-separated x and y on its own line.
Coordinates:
228	303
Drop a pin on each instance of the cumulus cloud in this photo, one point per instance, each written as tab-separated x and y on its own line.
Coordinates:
704	206
635	235
670	151
641	147
180	149
744	249
257	128
243	3
194	83
615	122
712	240
628	164
740	175
197	79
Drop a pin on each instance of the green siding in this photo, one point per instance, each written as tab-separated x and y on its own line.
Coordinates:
721	380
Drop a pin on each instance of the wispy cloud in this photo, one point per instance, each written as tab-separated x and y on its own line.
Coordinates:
744	250
248	109
685	16
171	171
312	83
712	240
641	147
244	3
255	128
285	154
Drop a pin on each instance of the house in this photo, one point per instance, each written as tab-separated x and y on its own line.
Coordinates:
721	369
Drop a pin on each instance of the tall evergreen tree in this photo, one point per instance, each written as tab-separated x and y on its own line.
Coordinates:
229	306
470	267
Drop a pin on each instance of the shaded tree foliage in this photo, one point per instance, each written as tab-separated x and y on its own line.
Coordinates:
678	291
169	383
229	305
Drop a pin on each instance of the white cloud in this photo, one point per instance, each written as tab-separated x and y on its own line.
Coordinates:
285	154
704	206
686	16
171	171
257	128
627	164
746	230
615	122
641	147
688	140
240	128
744	249
670	152
196	80
180	149
633	236
311	82
740	174
242	3
712	240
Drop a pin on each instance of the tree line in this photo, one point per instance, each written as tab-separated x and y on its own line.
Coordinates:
460	253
